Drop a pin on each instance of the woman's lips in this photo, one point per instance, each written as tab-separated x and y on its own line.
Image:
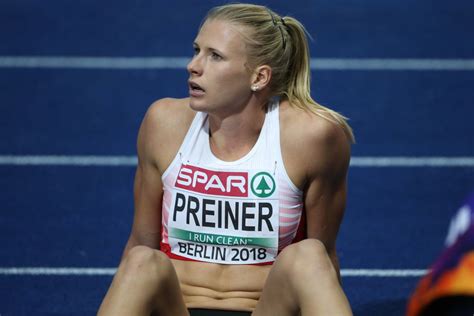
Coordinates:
195	90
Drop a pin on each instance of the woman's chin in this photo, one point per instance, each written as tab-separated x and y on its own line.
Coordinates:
197	105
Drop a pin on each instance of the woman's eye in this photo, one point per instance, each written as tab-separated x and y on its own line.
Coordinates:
196	50
216	56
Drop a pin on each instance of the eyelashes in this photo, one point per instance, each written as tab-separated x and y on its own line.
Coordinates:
212	54
216	56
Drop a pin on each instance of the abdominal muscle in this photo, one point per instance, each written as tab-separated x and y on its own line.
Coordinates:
218	286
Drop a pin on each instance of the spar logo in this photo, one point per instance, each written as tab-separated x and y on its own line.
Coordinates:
212	182
263	184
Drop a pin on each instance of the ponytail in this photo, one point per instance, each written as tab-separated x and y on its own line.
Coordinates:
297	87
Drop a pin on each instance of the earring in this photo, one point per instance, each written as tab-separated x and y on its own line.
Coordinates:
254	88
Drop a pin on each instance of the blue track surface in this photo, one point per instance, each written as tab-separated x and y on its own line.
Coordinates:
70	216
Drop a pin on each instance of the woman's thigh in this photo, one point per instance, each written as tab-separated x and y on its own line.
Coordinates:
303	281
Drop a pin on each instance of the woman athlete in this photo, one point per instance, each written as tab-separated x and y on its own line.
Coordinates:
240	189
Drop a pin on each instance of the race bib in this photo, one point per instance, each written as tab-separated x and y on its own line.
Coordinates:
224	217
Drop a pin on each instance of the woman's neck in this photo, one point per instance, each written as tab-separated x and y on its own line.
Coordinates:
233	136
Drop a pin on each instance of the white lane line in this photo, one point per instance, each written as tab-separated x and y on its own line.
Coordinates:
39	271
93	62
181	62
65	271
383	273
392	64
111	161
116	161
412	162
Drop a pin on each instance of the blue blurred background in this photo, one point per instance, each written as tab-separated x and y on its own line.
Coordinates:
71	215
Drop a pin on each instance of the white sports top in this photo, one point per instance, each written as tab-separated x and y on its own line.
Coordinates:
238	212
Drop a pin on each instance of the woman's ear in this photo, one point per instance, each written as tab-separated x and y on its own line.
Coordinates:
261	77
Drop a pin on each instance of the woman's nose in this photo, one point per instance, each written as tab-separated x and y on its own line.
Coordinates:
194	66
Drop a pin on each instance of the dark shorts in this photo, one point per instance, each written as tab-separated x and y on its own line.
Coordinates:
213	312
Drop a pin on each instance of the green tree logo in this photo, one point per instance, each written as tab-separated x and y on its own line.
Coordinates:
263	184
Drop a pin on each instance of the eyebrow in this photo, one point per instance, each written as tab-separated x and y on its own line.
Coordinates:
211	49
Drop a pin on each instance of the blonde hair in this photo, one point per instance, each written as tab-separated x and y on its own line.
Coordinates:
281	43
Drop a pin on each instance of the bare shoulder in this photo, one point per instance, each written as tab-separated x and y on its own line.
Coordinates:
163	129
169	114
322	145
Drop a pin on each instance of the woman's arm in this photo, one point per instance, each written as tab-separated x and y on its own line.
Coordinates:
326	186
161	133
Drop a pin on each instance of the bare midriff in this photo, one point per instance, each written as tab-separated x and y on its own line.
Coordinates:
217	286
